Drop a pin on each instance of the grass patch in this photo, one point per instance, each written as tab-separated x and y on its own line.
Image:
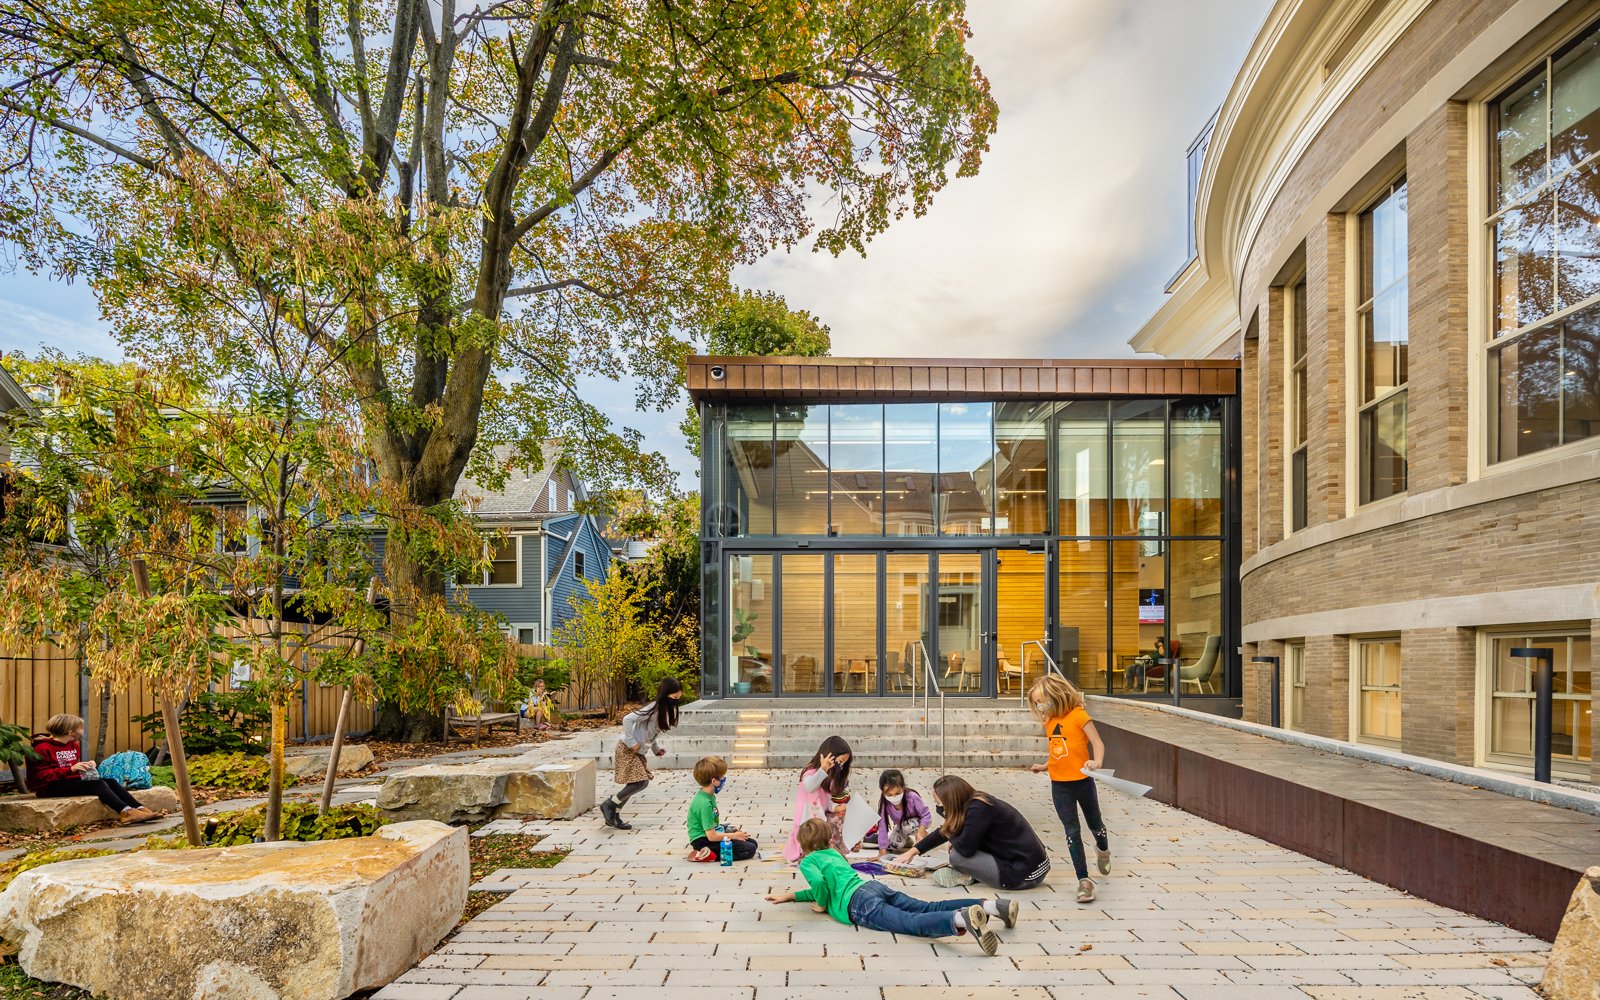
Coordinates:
18	985
509	850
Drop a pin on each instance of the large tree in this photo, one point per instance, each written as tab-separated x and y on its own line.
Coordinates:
466	207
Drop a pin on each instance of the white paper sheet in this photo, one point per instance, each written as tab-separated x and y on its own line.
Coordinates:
859	817
1120	784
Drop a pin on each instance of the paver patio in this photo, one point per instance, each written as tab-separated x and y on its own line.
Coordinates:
1191	910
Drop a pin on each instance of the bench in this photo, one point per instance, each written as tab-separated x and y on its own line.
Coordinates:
30	814
481	721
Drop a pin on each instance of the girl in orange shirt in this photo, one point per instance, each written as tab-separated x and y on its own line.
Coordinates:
1074	747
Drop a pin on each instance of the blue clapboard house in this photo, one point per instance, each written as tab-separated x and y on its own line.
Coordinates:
543	549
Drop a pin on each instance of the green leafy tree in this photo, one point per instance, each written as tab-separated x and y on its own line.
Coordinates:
608	640
762	323
463	208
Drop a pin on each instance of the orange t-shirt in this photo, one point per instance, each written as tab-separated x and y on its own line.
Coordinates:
1069	745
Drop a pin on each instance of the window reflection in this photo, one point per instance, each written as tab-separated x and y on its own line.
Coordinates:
910	433
966	468
801	464
857	454
1197	467
1138	467
1081	468
1021	483
747	480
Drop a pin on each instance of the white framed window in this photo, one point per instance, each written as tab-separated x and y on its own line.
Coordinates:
1543	341
577	565
1375	691
505	562
1294	686
572	501
1295	408
1382	358
1507	706
527	635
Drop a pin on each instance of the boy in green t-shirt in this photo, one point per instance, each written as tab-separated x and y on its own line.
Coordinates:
711	774
835	888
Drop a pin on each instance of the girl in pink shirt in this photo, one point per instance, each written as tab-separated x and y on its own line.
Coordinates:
824	790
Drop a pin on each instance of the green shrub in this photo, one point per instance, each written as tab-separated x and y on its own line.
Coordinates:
555	672
38	859
162	777
299	821
218	722
233	770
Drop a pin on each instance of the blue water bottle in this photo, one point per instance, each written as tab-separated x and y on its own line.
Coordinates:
726	846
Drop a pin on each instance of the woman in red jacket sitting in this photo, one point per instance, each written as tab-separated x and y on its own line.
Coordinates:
61	771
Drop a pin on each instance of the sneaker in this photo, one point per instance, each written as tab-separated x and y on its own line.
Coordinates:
949	878
977	919
1086	890
1009	911
703	854
1102	860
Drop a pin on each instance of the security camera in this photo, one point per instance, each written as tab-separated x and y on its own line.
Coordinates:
718	373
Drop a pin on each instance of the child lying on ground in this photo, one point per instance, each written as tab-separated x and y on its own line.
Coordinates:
833	887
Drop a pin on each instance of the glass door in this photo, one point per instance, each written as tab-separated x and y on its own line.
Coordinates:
856	663
1020	613
907	621
961	628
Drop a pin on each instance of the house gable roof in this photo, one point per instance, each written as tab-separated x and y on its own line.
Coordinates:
520	494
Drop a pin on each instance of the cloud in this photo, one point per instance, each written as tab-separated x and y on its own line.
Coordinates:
26	328
1061	245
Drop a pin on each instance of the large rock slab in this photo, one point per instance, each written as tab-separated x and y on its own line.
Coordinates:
472	793
312	762
29	814
284	921
1574	969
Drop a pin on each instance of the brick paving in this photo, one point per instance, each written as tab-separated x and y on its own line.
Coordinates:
1191	910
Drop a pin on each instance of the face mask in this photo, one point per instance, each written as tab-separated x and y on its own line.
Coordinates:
895	800
721	784
939	810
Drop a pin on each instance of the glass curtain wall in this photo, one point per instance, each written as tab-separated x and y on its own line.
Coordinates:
1127	499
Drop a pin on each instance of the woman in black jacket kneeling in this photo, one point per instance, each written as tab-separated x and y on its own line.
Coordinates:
989	840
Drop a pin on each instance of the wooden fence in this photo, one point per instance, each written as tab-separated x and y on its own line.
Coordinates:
45	680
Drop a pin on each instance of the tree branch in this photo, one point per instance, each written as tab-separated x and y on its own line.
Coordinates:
83	133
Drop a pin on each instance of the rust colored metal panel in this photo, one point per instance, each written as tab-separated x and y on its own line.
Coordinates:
1083	380
1230	381
1140	758
1136	381
1101	379
1029	384
1172	381
938	378
902	381
1289	814
790	376
919	379
1209	381
828	378
991	379
974	380
810	381
1191	381
1119	381
1011	380
882	379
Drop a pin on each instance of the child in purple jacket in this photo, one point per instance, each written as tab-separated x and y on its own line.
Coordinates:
903	818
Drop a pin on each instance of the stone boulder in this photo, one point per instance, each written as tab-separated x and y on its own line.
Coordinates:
490	789
29	814
1574	969
284	921
312	762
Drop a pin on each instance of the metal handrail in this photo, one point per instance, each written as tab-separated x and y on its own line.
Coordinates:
1049	665
930	680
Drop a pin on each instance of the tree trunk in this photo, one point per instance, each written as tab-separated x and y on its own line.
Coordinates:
19	781
280	732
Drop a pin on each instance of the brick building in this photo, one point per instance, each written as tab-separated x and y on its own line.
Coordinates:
1398	195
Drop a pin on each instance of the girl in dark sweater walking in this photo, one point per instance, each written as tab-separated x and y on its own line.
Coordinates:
989	839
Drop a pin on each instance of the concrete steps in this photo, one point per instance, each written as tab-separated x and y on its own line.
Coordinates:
883	733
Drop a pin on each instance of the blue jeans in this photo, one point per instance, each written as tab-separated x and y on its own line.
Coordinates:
877	907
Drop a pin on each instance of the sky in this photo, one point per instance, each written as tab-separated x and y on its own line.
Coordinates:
1058	248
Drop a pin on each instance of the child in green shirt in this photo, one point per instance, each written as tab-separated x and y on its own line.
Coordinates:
833	887
711	774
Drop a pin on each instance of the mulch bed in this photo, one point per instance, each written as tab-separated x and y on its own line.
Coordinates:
494	852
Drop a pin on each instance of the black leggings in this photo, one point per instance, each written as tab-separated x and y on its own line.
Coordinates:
628	791
743	850
1069	797
105	789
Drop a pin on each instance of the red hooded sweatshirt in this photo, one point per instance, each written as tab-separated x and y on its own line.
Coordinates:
54	763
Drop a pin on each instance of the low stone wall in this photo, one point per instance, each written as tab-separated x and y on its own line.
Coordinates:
283	921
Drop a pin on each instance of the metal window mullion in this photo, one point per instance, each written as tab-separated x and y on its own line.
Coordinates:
1167	551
